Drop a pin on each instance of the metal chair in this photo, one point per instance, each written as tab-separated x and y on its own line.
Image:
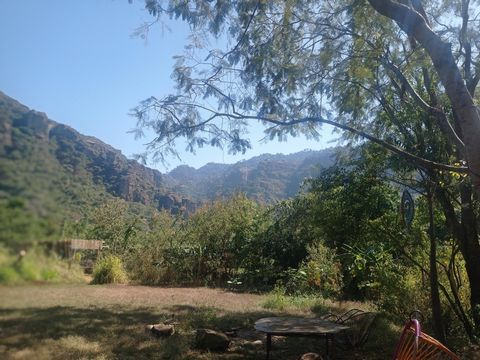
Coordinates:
340	319
360	324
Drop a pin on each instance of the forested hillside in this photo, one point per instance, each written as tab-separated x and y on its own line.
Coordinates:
49	172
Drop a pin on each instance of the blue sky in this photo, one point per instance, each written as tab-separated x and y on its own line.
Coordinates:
78	62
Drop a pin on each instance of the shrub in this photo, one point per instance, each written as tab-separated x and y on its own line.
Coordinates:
109	270
320	272
49	274
208	248
276	299
36	265
153	260
28	270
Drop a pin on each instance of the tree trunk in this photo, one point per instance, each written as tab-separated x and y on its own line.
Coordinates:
434	292
440	52
457	231
470	248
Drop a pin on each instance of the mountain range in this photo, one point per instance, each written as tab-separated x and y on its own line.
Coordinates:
266	178
59	171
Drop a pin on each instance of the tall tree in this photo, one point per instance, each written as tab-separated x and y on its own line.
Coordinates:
294	65
412	18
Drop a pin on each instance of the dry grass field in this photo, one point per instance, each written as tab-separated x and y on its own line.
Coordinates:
107	322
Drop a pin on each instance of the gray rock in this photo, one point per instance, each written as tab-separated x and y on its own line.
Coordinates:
253	344
310	356
208	339
160	330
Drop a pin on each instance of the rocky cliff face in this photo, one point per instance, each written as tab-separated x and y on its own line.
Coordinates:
41	155
83	158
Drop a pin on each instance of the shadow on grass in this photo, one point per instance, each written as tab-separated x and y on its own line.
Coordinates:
118	332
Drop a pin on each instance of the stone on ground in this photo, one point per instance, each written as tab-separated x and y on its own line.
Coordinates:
160	330
310	356
208	339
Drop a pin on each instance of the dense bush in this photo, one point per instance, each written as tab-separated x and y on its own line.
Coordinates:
322	270
114	223
205	249
220	234
108	270
154	259
19	227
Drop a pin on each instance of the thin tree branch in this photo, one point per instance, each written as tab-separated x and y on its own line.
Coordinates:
443	122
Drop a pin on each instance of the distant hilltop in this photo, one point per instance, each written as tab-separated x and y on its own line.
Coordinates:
266	178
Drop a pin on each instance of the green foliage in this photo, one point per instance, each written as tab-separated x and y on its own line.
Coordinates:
108	270
27	270
221	232
279	300
9	275
19	227
36	265
276	300
283	233
153	260
113	223
356	208
206	248
318	274
322	270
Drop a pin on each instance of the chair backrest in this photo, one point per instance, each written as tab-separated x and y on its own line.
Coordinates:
342	318
416	345
349	314
360	324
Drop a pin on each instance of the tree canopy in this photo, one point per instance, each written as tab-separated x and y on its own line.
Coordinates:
402	74
293	65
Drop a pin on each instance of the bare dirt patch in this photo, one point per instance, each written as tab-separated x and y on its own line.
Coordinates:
125	295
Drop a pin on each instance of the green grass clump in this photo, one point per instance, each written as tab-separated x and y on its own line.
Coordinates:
9	276
109	270
36	265
279	301
28	269
276	300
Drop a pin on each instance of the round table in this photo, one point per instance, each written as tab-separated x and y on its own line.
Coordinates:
297	326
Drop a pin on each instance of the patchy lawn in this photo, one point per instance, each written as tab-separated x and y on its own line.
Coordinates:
107	322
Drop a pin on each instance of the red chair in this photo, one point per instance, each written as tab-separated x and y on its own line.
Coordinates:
416	345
